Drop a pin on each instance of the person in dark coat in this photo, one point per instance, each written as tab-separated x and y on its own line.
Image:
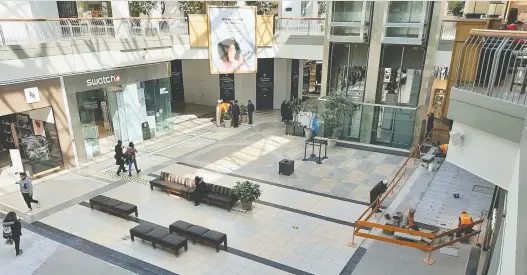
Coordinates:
430	124
235	114
199	191
119	157
250	111
13	228
376	192
283	111
289	112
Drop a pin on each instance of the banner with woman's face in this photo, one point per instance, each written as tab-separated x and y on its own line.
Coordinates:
232	39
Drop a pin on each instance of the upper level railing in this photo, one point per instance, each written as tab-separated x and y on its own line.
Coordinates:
494	63
311	26
448	30
31	31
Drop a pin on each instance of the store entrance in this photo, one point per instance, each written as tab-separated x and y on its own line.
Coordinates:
29	142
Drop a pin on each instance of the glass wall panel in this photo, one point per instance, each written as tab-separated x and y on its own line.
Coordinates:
400	75
405	12
347	11
392	126
347	69
157	101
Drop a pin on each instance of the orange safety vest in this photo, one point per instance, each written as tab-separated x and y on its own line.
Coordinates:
444	148
411	221
465	219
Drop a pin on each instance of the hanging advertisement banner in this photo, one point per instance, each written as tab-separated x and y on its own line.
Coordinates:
232	39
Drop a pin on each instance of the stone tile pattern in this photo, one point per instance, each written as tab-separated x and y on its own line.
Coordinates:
347	173
439	207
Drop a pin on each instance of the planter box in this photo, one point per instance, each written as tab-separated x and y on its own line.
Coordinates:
289	129
299	131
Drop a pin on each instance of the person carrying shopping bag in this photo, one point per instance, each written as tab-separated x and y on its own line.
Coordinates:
13	228
131	158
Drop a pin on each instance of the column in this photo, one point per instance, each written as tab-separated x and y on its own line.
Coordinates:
372	72
427	78
325	53
119	10
521	239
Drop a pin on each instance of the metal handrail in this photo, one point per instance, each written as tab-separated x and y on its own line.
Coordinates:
499	33
310	26
84	19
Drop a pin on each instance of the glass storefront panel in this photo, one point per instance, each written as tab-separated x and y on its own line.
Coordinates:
347	11
29	142
129	112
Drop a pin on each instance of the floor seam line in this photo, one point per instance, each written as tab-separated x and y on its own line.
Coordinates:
237	252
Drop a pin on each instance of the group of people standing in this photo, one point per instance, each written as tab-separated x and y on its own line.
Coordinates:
128	156
234	110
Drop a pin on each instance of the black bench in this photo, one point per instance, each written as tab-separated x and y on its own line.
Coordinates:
220	196
173	184
159	236
199	233
113	206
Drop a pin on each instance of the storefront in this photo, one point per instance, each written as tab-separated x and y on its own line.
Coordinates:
34	132
129	104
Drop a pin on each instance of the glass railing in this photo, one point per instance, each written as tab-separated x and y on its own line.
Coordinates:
391	126
494	63
34	31
310	26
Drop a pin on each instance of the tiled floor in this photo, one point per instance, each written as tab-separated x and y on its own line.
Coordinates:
302	224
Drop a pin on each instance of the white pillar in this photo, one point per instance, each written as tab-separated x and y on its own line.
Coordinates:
119	10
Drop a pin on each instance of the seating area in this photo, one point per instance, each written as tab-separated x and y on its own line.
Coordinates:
184	187
113	206
199	233
173	184
158	235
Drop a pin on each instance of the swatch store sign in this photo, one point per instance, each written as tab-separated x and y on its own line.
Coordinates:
103	80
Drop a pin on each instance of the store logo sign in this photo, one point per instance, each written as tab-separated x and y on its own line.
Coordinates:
32	95
103	80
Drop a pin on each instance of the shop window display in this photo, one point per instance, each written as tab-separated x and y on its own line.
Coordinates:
29	142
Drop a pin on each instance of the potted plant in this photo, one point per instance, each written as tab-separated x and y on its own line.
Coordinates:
227	119
246	192
244	118
338	106
296	107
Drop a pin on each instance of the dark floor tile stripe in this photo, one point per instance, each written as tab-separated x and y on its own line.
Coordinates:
473	261
231	250
98	251
279	185
301	212
354	261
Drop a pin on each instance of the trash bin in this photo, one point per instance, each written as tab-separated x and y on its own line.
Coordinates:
147	134
286	167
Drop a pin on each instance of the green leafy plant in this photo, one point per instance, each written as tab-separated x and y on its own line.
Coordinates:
458	8
338	105
296	107
310	109
227	116
246	191
262	7
243	109
322	7
142	7
192	7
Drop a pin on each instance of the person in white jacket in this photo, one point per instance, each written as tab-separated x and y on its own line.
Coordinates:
26	188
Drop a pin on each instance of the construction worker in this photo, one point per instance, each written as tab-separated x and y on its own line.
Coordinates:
464	219
409	219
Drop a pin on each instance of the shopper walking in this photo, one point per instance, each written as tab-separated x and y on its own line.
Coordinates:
131	158
26	188
235	114
13	228
250	111
119	157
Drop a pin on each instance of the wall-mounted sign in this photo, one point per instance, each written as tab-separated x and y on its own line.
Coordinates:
227	87
103	80
32	95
